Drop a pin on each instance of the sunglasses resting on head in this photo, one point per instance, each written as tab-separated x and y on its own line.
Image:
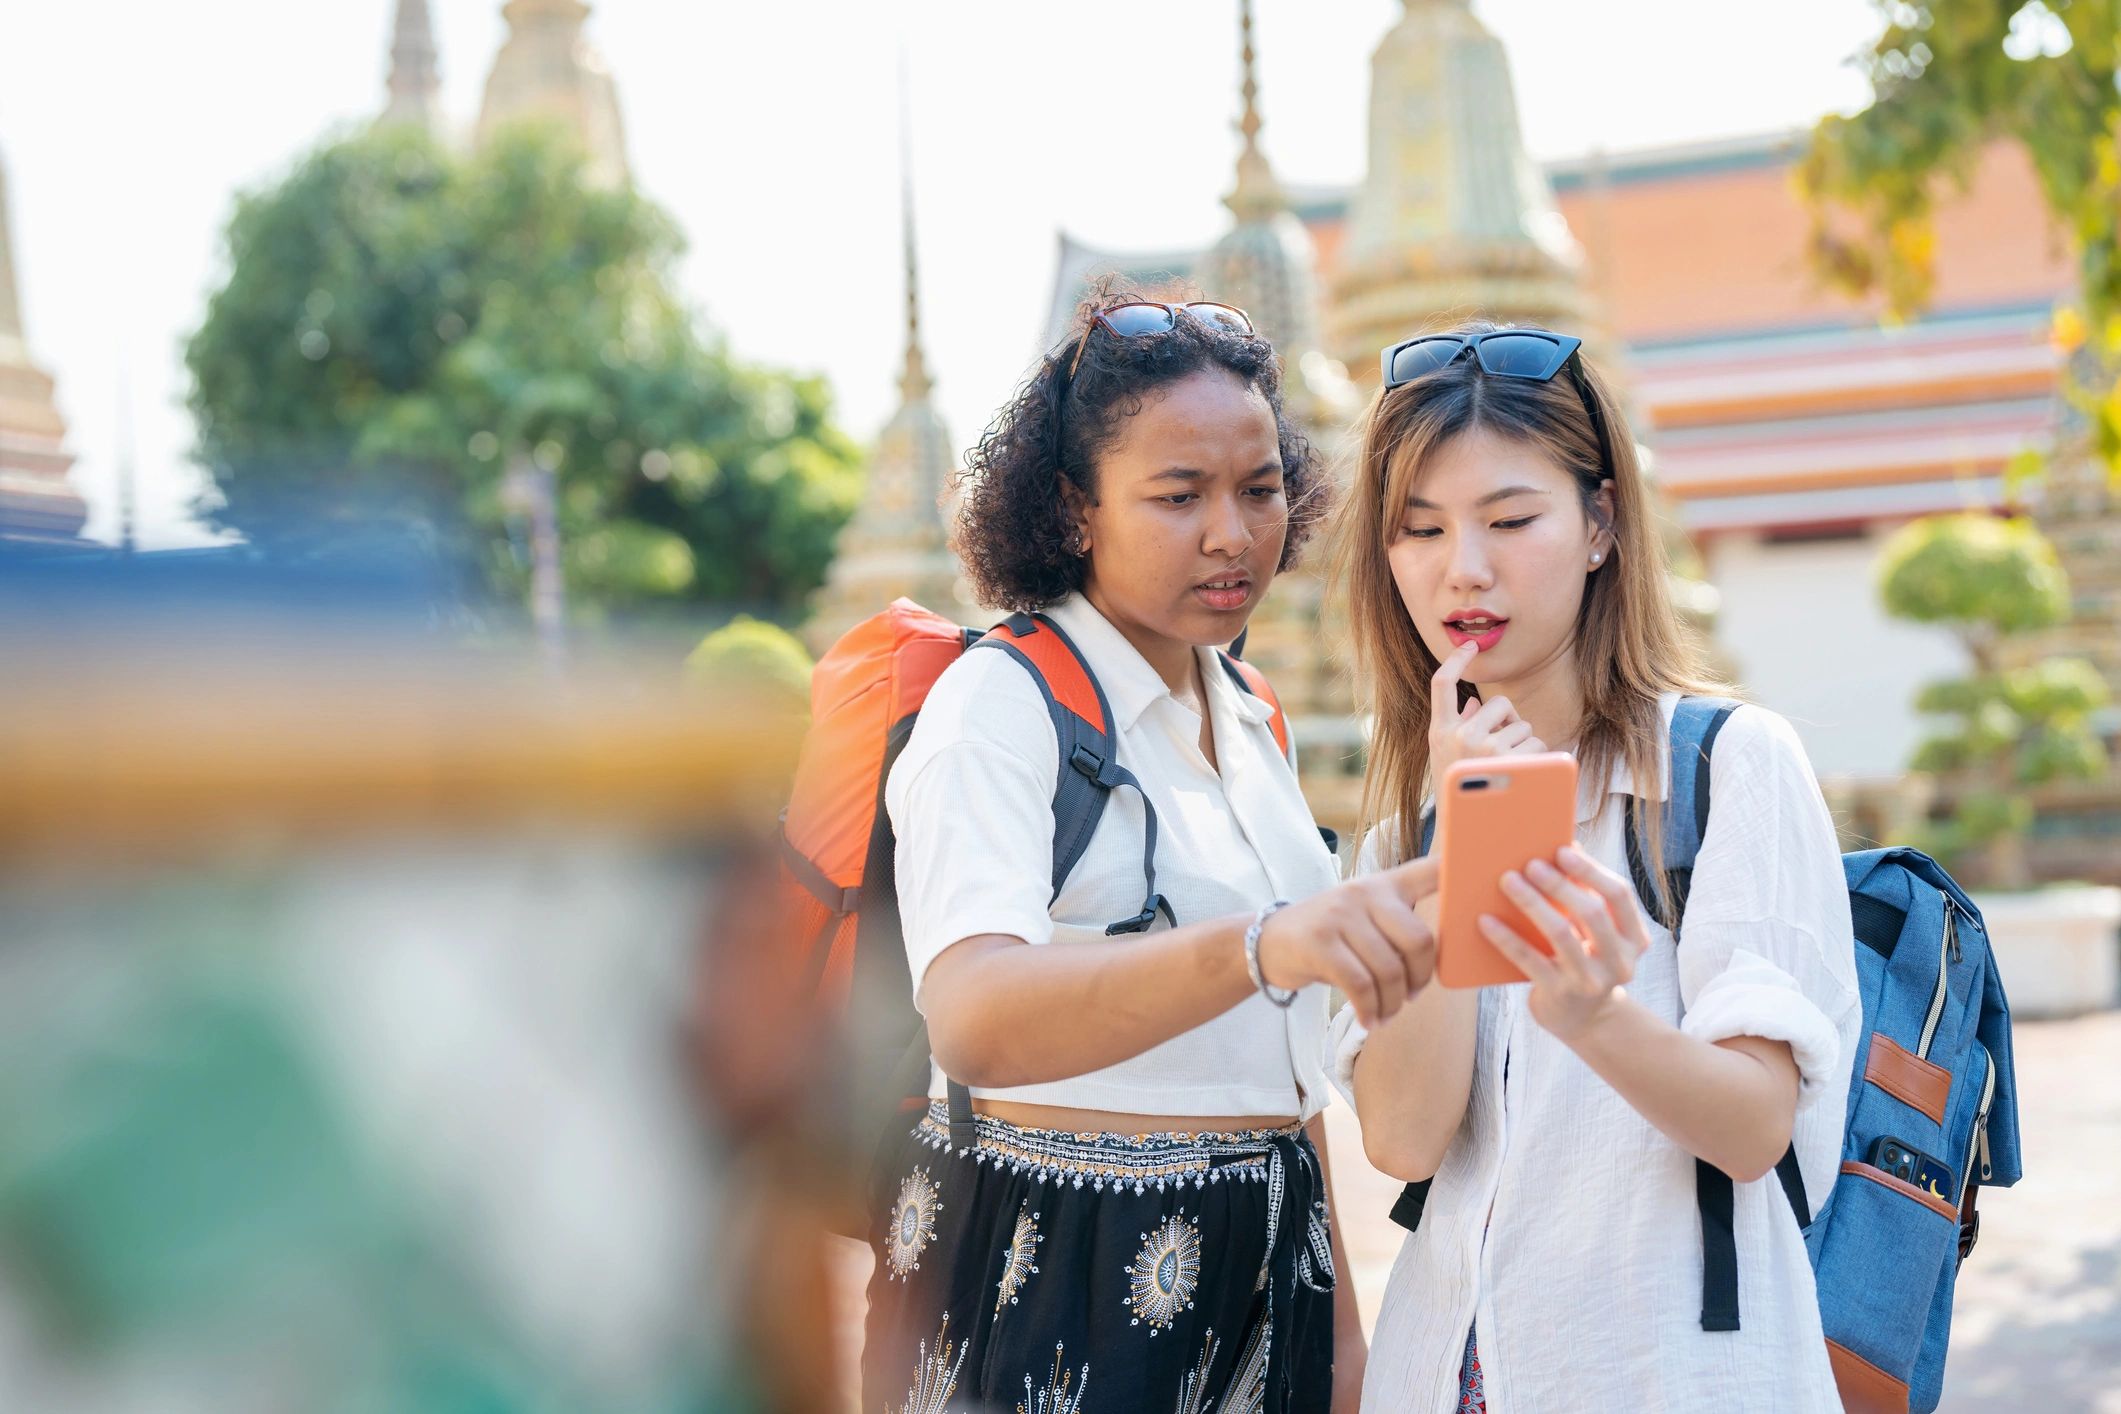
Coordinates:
1534	354
1135	318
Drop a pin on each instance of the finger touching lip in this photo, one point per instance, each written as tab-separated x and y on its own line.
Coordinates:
1482	641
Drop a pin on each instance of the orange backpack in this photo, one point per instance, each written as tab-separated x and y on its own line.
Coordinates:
837	855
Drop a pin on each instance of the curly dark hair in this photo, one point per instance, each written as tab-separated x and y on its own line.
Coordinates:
1013	524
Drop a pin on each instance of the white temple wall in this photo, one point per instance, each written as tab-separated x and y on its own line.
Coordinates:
1803	625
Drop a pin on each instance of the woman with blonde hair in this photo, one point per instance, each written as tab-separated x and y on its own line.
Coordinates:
1508	594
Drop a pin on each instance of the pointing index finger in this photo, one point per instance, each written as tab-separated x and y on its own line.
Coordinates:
1415	880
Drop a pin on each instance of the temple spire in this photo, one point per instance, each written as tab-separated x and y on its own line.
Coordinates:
914	383
10	301
1266	265
1452	213
36	503
547	72
415	79
897	542
1257	194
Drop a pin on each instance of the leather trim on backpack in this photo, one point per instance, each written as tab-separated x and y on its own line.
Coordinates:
1907	1077
1865	1389
1942	1207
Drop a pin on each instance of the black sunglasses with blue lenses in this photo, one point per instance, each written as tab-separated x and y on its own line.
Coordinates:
1133	318
1534	354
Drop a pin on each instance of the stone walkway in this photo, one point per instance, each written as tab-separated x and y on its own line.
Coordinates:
2038	1322
2037	1326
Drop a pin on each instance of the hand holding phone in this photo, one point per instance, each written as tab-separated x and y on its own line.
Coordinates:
1494	815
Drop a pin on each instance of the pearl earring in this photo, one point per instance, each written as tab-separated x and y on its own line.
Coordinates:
1597	560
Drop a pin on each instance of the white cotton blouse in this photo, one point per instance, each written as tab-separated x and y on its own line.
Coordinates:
1562	1226
971	801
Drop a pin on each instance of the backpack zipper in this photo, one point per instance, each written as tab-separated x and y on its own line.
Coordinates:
1977	1142
1947	949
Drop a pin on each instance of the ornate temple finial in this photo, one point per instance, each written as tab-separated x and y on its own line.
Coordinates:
1452	213
546	71
897	542
1257	193
415	79
914	383
10	301
36	503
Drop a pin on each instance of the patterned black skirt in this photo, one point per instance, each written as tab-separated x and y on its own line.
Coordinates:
1181	1272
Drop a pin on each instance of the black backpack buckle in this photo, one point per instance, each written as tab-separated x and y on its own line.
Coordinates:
1140	922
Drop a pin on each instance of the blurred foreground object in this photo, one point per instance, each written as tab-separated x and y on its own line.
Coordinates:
351	1004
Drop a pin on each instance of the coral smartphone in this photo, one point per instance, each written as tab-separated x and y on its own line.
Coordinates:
1494	814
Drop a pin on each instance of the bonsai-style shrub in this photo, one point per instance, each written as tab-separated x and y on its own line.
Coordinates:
752	656
2000	731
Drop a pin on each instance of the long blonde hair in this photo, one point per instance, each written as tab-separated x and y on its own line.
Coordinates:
1630	645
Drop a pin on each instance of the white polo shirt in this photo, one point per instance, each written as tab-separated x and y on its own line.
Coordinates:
1562	1225
971	802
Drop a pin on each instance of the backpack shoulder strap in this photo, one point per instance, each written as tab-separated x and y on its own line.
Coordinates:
1082	724
1250	679
1696	721
1414	1197
1089	773
1089	765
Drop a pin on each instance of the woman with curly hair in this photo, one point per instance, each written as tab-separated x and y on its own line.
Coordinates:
1144	1206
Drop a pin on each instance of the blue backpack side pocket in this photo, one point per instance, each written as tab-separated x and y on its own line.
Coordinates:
1932	1096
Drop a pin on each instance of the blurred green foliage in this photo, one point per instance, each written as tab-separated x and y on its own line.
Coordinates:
1949	78
401	328
2006	729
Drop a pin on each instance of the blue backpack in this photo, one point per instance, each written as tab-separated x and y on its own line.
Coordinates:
1932	1107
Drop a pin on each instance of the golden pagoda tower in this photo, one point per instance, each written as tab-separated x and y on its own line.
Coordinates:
415	83
36	503
1453	218
1266	265
547	72
1454	221
898	541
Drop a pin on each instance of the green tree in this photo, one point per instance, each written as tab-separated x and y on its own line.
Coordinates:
400	329
1950	77
2007	730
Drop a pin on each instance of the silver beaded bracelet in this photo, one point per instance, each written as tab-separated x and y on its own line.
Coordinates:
1280	996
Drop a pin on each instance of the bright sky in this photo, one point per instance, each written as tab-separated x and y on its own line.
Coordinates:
770	130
